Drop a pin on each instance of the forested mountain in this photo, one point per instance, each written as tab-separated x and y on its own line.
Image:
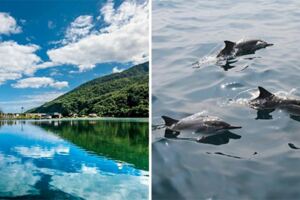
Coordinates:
123	94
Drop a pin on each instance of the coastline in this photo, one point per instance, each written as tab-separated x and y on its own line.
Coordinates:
133	119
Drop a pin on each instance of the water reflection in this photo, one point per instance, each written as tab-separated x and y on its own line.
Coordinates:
38	164
219	138
226	155
106	138
292	146
229	64
265	114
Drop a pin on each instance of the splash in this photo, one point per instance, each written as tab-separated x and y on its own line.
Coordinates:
205	61
293	93
243	97
209	59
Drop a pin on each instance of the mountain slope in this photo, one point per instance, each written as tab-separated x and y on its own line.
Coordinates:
122	94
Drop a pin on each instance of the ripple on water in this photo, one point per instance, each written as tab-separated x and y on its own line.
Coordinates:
185	32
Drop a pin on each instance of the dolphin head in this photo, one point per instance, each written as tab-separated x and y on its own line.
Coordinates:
262	44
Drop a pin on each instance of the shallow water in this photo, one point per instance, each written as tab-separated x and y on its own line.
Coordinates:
255	162
86	159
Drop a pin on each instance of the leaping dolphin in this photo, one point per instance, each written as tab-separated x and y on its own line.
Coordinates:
266	101
233	49
197	123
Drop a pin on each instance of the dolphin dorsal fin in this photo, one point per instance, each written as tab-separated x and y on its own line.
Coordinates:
228	49
263	93
229	44
169	121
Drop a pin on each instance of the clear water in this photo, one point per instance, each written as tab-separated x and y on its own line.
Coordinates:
73	159
256	161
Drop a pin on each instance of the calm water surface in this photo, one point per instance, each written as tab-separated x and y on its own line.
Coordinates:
256	161
74	159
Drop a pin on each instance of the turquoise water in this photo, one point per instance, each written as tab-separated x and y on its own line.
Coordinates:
255	162
48	160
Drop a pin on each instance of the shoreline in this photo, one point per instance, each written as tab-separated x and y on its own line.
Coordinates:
130	119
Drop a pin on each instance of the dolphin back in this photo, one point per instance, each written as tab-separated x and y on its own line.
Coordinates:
169	121
263	93
221	125
229	46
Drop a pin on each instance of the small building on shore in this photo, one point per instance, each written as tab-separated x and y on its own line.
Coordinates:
74	115
10	115
57	115
93	115
46	116
54	115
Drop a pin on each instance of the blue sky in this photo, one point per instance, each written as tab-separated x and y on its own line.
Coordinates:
50	47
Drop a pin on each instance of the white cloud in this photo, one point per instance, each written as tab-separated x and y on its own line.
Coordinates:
117	70
17	60
89	170
116	18
78	29
55	72
39	152
38	82
28	101
17	178
85	184
8	24
124	39
51	24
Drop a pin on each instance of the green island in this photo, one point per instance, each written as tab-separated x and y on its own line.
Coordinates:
123	94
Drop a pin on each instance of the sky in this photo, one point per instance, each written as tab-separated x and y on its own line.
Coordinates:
50	47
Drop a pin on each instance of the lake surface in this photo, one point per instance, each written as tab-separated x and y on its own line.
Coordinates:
256	161
74	159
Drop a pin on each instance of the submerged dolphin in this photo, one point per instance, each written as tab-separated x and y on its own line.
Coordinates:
269	102
197	123
246	47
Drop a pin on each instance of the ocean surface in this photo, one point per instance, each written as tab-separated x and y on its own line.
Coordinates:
74	159
259	161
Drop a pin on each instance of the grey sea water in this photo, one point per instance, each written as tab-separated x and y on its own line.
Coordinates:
256	161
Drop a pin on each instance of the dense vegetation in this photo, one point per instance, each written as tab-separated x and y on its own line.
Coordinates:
123	94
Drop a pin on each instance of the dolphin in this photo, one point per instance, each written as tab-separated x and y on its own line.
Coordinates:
266	101
197	123
233	49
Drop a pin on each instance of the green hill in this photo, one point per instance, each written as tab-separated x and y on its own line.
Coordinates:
123	94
